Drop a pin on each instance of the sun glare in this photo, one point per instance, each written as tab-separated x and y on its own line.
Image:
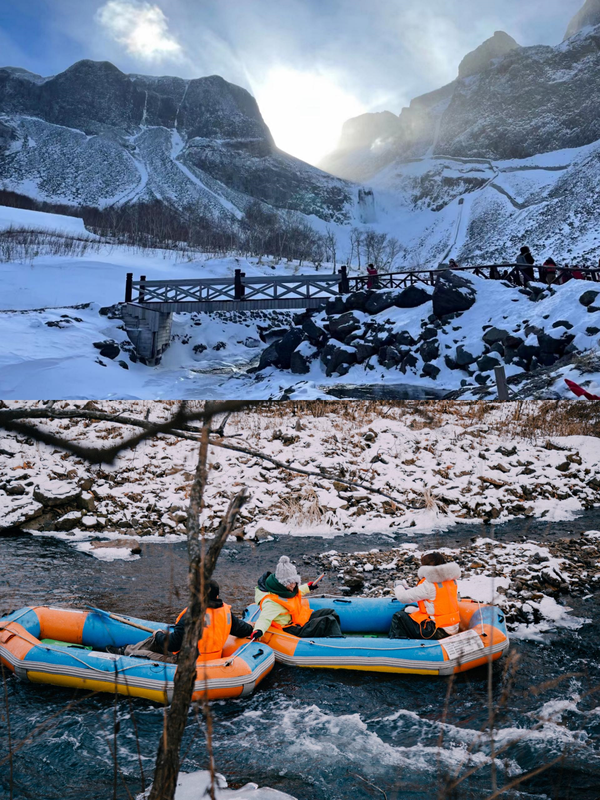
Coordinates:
305	111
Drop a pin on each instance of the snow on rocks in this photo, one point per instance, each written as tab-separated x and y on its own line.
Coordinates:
196	785
430	471
454	337
527	580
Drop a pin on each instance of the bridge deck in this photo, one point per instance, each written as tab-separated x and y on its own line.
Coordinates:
294	291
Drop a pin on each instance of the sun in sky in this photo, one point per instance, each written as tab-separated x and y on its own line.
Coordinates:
304	110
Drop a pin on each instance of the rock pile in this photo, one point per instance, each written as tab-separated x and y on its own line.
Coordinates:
368	328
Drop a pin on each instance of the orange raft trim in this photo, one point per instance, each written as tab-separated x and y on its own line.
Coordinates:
236	673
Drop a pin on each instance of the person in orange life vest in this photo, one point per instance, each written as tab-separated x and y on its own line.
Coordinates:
436	615
219	622
282	607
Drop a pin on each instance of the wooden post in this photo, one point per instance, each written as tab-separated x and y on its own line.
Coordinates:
141	295
238	291
344	286
501	384
129	287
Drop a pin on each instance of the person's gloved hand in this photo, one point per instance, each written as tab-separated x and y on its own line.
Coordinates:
256	635
312	585
402	583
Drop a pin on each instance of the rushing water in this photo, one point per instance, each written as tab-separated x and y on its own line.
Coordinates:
316	734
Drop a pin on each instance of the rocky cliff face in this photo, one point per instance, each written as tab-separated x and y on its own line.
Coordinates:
588	16
96	136
499	45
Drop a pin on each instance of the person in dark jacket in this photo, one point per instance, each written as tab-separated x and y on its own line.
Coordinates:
549	271
525	273
165	645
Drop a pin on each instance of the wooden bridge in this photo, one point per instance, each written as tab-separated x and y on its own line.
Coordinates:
295	291
149	305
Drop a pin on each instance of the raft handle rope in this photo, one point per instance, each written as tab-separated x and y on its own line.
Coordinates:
65	651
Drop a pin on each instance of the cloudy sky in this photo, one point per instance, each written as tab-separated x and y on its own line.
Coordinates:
311	64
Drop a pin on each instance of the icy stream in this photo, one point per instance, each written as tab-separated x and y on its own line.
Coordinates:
316	735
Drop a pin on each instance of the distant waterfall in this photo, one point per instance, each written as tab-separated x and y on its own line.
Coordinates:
366	205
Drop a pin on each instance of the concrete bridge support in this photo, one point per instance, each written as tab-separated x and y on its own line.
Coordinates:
149	330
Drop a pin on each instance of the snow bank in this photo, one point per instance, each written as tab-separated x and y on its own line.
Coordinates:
41	221
196	786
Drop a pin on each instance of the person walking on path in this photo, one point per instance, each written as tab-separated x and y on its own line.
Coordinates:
219	623
436	595
525	273
283	607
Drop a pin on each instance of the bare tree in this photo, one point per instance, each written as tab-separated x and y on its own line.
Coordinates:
356	244
331	248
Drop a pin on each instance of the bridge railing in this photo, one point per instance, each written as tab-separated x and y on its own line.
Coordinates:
320	286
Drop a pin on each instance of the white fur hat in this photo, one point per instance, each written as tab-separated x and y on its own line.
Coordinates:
286	572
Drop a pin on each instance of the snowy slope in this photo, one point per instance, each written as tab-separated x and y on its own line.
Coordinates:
19	218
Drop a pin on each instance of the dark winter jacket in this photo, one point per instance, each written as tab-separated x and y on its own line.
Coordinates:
175	637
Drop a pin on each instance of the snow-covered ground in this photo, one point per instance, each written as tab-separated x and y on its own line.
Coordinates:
412	472
46	342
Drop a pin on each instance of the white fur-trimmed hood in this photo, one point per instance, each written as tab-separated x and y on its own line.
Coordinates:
443	572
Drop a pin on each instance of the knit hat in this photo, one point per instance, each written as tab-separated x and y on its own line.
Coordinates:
286	572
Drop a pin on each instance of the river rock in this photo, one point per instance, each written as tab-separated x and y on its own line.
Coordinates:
122	544
335	306
16	513
431	371
287	345
452	294
404	339
269	357
68	521
56	493
301	358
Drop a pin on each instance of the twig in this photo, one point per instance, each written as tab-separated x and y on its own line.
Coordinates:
364	780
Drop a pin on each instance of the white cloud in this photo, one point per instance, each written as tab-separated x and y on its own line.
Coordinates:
142	27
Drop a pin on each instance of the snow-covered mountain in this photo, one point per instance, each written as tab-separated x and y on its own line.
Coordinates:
506	153
95	136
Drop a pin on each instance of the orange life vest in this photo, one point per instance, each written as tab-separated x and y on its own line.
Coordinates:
296	606
217	626
445	606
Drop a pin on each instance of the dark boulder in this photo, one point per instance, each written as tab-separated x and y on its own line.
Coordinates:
562	323
110	350
528	351
409	362
380	301
430	350
452	294
314	332
428	333
548	344
412	297
334	355
389	357
430	371
300	363
487	363
269	357
463	358
342	326
588	298
287	345
404	339
335	306
357	301
494	335
364	351
592	330
513	341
